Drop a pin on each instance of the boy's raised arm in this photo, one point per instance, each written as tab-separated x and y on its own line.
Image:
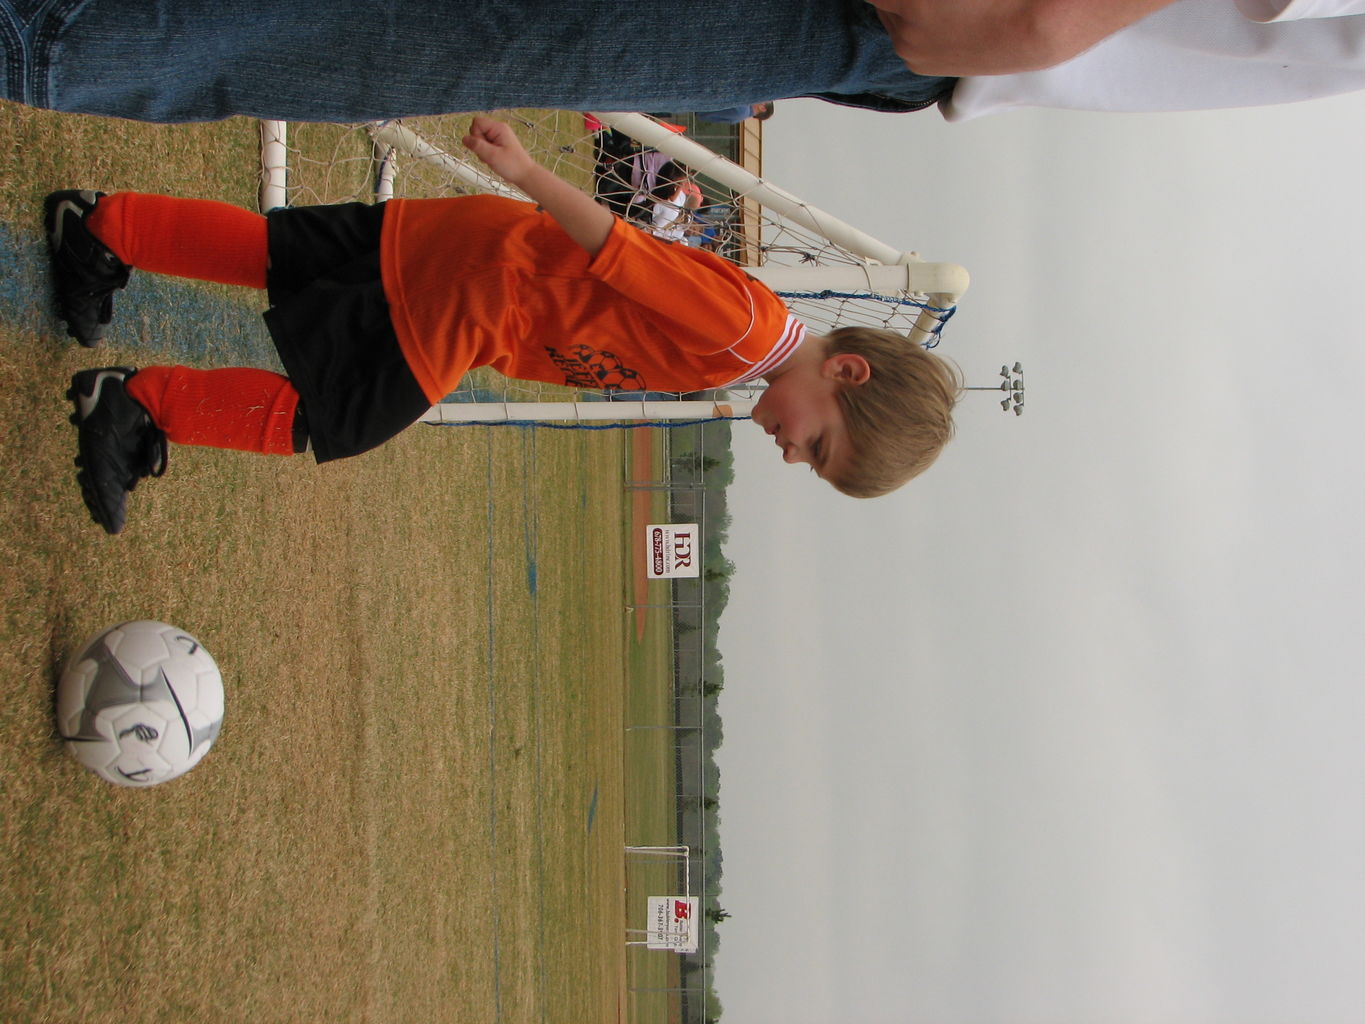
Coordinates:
583	219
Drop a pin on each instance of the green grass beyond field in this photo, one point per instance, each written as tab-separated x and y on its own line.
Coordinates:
415	811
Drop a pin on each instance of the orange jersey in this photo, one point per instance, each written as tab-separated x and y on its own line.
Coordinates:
486	281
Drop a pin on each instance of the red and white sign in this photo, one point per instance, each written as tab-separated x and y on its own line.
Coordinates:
671	921
672	550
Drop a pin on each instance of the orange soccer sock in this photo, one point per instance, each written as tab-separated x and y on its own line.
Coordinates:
198	238
242	409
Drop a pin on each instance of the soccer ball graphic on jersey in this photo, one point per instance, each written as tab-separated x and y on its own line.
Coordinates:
140	703
611	375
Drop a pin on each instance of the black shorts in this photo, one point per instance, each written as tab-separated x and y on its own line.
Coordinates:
330	322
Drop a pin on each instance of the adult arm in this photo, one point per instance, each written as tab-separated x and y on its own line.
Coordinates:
583	219
1002	37
1297	10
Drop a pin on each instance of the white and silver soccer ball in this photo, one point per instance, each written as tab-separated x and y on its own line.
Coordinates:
140	703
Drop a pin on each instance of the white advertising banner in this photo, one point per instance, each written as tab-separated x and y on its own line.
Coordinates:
670	923
672	550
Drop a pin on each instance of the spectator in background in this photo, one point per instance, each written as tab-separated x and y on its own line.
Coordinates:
673	205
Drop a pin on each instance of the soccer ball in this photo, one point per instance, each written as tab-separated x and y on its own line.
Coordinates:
140	703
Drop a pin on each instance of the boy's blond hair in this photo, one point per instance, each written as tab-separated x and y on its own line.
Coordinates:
900	418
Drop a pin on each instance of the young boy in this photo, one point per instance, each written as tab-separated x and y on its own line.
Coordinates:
377	311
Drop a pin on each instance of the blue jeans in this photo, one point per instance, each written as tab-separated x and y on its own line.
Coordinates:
349	60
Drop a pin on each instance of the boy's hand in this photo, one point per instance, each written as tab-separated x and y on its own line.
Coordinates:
497	145
584	220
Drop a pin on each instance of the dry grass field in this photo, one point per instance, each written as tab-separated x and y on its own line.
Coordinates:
416	809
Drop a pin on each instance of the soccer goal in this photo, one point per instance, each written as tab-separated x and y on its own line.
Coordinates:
669	920
828	272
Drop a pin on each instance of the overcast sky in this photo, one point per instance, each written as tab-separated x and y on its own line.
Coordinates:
1073	728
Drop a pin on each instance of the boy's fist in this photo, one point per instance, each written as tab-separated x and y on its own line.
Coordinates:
497	145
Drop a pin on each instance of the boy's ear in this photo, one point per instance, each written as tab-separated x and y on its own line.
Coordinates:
848	368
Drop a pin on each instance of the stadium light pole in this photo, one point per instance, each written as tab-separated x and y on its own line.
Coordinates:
1012	385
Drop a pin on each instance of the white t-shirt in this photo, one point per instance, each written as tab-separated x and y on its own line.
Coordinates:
1194	55
666	221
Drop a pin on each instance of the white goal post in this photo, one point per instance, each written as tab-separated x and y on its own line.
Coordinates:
882	270
829	272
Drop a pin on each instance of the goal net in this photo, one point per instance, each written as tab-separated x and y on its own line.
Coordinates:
660	178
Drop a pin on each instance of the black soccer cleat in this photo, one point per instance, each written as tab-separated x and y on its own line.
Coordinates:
85	273
118	443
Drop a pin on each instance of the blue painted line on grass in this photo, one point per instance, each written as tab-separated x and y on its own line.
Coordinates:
23	281
528	521
174	320
493	734
530	475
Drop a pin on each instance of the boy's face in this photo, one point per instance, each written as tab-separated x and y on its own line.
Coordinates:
800	411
